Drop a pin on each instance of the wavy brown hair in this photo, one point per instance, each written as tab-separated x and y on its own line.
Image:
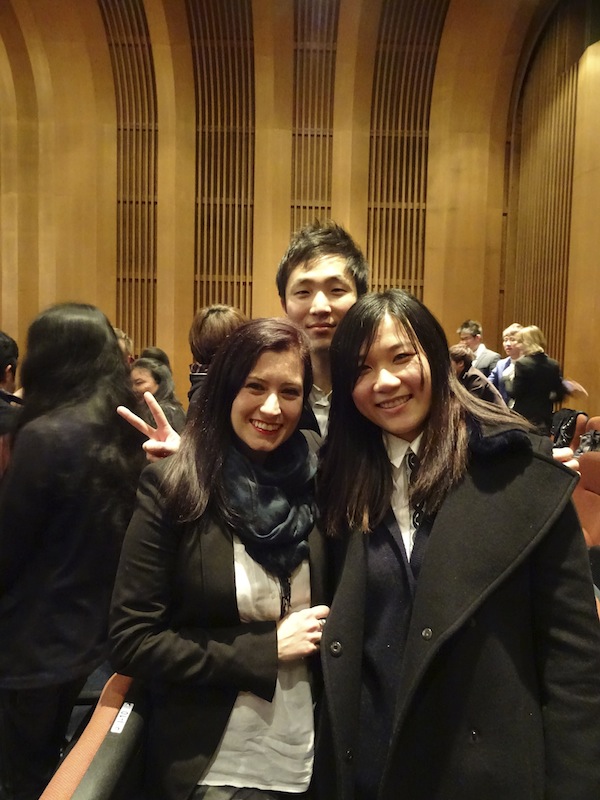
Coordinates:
193	481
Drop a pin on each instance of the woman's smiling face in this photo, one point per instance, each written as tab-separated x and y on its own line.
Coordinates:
267	408
393	389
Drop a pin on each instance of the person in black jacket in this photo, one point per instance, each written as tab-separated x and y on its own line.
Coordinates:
65	501
538	383
460	656
219	595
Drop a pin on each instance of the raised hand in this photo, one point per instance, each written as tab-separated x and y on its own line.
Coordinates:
163	440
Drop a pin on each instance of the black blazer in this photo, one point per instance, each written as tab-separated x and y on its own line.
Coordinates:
499	689
537	385
175	625
58	557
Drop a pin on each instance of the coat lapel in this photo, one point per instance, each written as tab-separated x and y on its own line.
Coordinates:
485	529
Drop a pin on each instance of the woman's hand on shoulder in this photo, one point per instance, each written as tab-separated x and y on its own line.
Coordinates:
299	633
163	440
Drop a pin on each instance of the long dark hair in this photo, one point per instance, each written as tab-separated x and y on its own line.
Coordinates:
193	481
355	481
73	361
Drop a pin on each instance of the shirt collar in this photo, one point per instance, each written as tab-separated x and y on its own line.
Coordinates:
396	447
317	395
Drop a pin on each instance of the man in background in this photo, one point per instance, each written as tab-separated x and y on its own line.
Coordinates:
321	275
471	333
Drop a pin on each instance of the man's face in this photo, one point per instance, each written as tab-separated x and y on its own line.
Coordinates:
317	297
467	338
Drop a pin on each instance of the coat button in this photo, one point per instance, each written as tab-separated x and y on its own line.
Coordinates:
335	648
348	755
474	735
427	633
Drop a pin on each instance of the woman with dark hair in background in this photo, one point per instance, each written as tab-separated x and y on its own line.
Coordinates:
148	375
461	653
210	327
66	499
158	354
215	600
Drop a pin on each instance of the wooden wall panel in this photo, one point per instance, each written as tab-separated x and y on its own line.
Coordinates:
222	48
273	25
540	200
358	28
137	146
168	27
406	53
57	70
583	298
315	34
19	151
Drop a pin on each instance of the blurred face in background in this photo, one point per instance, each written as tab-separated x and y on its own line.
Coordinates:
142	381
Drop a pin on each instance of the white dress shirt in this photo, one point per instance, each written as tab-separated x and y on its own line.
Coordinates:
397	449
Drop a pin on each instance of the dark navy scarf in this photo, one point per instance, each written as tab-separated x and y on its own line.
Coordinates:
273	504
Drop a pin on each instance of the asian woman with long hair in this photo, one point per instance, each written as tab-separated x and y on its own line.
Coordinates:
461	654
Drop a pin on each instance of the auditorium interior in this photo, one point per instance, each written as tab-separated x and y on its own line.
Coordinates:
156	155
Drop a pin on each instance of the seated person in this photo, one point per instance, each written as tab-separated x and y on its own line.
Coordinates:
474	381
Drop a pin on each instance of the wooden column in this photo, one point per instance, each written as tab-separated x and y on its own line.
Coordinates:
356	46
176	112
475	70
583	300
273	47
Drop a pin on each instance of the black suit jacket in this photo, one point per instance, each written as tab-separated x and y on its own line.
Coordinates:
499	688
175	625
537	385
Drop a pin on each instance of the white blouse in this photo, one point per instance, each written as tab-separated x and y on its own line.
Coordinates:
268	745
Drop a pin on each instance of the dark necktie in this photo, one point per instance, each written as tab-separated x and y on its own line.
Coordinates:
421	530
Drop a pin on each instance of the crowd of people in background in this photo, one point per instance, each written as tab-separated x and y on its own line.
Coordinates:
353	573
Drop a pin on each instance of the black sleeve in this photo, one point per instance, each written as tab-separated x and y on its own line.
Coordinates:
146	643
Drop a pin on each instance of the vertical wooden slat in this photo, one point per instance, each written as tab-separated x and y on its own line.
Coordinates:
133	70
223	71
315	30
539	208
408	41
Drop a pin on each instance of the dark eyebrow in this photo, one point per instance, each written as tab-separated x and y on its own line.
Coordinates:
340	278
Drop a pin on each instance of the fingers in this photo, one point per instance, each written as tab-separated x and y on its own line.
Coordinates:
136	421
163	429
299	633
156	450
